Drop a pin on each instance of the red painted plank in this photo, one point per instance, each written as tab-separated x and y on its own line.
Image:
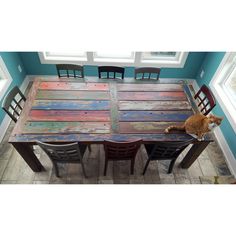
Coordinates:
73	86
149	87
145	127
63	115
151	96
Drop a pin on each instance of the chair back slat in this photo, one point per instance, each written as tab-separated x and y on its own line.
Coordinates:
12	103
63	152
146	72
115	70
206	98
168	150
121	150
63	70
165	151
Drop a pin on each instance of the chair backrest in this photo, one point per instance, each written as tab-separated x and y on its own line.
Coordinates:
70	71
121	150
62	152
12	103
168	150
112	72
207	100
147	73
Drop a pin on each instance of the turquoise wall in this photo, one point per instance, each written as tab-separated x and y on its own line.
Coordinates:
193	62
12	60
210	65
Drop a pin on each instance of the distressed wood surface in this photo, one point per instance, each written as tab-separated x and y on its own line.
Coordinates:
66	127
64	115
67	95
145	127
98	138
151	96
154	115
73	86
154	105
149	87
70	105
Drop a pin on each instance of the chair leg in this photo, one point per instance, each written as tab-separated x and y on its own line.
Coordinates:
89	148
132	166
146	165
82	165
105	168
171	166
56	169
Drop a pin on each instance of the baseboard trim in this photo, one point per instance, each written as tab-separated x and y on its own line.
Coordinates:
7	120
229	157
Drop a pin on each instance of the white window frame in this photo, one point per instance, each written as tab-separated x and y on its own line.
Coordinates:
136	61
217	86
5	83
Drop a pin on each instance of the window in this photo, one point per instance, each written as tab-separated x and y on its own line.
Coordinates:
113	56
223	86
119	58
61	57
5	78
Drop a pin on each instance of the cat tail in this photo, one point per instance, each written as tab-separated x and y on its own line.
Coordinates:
168	129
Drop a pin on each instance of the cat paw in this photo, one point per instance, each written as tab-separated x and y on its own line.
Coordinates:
200	139
166	130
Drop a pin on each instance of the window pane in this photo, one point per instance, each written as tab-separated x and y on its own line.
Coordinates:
2	77
159	55
113	54
230	85
66	54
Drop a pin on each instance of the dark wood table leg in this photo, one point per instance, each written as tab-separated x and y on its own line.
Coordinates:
193	154
26	152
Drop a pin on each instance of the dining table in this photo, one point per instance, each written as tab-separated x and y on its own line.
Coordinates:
73	110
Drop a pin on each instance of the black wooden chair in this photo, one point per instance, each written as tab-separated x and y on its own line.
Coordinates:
12	103
165	151
70	71
112	72
206	100
64	153
116	151
147	73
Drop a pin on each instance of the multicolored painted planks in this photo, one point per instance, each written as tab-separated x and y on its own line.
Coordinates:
65	115
145	127
70	105
66	127
154	115
72	95
151	96
150	87
73	86
154	105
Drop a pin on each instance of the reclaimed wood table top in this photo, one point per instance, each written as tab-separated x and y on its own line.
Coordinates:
91	112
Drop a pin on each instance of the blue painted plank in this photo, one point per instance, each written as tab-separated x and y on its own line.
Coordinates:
154	115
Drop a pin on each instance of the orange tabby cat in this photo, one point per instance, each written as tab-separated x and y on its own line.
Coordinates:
197	125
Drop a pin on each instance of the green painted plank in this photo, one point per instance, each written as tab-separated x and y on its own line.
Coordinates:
154	105
66	127
64	95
